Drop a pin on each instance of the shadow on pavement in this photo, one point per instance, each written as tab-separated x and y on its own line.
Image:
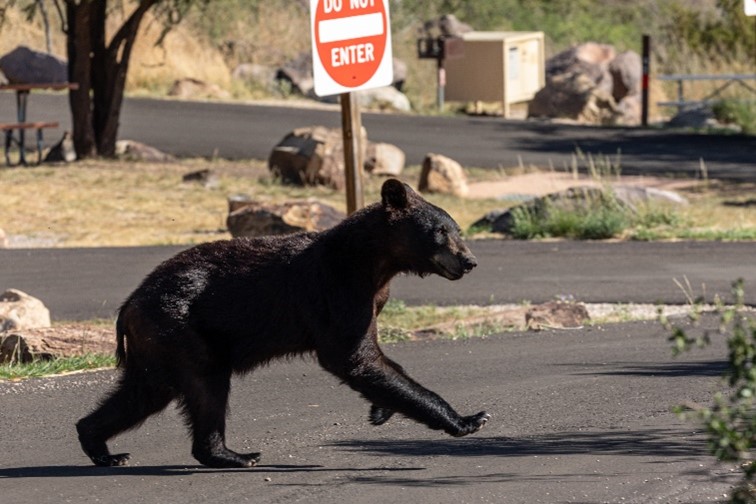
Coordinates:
656	443
663	370
67	471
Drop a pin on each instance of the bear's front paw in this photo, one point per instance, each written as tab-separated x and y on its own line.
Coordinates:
379	416
472	423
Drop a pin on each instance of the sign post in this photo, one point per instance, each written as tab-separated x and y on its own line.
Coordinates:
351	50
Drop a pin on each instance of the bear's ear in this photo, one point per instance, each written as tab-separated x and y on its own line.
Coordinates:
394	194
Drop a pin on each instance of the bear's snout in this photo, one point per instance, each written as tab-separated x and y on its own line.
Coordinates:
469	262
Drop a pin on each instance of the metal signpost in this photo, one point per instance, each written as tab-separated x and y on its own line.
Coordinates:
351	50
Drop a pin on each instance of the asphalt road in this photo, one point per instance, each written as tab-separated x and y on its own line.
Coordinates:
80	284
578	416
239	131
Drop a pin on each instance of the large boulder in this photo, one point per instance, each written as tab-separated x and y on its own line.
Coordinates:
297	74
256	218
446	25
627	74
441	174
590	83
256	75
50	343
556	315
311	156
25	66
384	98
384	159
400	73
19	310
194	88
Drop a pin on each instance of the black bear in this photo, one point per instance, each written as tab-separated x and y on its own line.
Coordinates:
229	306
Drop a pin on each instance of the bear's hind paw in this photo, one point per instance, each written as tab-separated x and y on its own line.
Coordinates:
119	459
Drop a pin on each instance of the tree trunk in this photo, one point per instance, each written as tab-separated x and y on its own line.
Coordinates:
100	70
79	49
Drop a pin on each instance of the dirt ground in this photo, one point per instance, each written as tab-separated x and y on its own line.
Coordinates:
541	183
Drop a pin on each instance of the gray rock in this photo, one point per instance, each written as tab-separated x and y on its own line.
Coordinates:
297	74
25	66
626	71
400	73
254	218
384	159
384	98
255	74
195	88
311	156
206	178
694	116
441	174
446	25
578	199
19	310
556	315
137	151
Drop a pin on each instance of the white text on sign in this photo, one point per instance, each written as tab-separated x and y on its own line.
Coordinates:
349	55
336	5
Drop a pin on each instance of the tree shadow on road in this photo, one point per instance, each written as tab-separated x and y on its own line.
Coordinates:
712	368
79	471
656	443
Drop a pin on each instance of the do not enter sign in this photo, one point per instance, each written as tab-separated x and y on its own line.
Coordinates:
351	45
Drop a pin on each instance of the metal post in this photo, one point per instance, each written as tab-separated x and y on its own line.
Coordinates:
644	89
351	125
441	83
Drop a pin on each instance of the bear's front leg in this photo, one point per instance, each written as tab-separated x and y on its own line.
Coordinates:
385	384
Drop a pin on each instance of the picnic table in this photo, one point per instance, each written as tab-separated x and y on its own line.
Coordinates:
22	124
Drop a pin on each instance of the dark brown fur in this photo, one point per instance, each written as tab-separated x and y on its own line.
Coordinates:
230	306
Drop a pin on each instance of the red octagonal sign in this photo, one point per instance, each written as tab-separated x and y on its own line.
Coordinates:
351	45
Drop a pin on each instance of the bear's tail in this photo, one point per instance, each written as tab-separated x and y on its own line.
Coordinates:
120	340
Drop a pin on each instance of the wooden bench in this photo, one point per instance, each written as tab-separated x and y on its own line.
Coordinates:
9	128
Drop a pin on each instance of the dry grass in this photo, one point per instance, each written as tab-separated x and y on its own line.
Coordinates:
115	203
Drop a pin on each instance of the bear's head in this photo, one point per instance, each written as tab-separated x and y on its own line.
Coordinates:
423	238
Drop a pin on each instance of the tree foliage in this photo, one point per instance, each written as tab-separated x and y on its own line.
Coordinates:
731	421
98	59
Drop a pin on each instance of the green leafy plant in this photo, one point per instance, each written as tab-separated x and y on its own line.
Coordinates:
731	421
39	368
600	217
739	112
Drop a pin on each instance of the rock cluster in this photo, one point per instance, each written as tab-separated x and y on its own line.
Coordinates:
26	333
295	76
591	83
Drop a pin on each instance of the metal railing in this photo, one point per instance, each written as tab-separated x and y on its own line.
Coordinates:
730	79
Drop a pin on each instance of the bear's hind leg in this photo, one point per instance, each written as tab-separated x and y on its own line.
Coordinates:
135	399
205	403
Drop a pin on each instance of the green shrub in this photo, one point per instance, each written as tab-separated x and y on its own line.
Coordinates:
596	218
739	112
731	422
